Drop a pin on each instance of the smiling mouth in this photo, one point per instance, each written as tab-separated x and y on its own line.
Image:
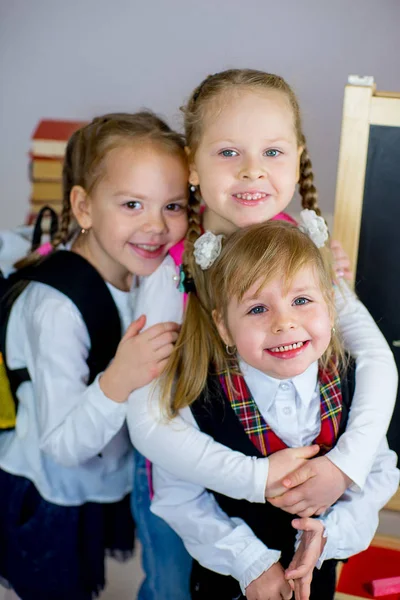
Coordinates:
287	348
249	197
148	247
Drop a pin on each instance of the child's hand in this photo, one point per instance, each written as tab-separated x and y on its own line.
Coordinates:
140	358
271	585
317	485
282	464
306	556
341	262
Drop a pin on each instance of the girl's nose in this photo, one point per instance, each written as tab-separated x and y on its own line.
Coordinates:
252	169
283	322
154	224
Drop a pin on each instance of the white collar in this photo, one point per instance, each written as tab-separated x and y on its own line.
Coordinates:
305	383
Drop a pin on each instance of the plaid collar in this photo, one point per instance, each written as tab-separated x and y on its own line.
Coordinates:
258	430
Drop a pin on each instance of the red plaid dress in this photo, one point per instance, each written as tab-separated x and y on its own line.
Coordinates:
258	430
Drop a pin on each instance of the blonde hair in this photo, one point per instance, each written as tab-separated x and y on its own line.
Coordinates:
255	254
195	111
88	148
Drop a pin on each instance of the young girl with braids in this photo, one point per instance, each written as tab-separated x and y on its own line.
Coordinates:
66	469
247	153
260	368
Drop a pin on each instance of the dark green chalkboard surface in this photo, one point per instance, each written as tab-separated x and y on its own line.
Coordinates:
378	268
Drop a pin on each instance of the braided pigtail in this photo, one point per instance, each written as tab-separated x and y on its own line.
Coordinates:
71	177
307	189
194	231
309	197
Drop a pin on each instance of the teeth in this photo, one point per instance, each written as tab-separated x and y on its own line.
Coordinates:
246	196
148	248
286	348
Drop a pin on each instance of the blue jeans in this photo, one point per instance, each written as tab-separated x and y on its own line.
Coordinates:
165	562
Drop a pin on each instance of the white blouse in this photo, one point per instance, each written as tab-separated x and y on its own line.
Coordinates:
228	545
181	449
70	439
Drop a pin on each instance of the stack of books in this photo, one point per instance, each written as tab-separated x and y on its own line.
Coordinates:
48	144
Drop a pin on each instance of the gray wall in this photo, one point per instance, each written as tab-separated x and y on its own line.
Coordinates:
79	58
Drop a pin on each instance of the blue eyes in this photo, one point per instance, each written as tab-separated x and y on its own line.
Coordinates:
257	310
301	301
272	153
228	153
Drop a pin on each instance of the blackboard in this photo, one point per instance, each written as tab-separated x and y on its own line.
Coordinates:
378	267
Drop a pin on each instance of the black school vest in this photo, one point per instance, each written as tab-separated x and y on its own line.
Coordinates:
215	416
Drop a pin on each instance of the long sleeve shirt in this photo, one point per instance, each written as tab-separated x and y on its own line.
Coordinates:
190	454
70	439
227	545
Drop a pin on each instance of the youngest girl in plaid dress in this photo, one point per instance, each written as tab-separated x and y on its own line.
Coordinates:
259	367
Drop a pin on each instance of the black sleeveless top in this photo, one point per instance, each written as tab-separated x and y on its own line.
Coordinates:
215	416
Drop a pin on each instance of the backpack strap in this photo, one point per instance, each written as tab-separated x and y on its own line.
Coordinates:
177	252
76	278
348	385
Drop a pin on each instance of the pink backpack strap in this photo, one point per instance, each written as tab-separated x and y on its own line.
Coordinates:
284	217
177	252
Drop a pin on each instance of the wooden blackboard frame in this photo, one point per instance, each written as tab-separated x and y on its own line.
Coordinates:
363	106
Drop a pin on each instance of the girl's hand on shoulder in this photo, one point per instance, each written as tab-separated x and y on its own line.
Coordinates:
271	585
306	556
341	262
316	486
284	463
140	358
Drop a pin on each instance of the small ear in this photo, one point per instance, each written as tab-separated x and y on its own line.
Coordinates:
299	153
222	329
80	206
193	175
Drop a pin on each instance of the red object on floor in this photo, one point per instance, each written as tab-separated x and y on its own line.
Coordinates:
384	587
374	563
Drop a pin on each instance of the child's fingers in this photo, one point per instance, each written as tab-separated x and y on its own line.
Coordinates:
164	339
348	274
298	572
290	499
305	472
134	328
298	507
161	328
164	352
161	366
306	511
342	263
304	590
298	477
306	524
337	248
320	511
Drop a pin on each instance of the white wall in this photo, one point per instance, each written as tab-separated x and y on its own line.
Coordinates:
79	58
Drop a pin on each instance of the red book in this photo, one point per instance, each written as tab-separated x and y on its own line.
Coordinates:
51	136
